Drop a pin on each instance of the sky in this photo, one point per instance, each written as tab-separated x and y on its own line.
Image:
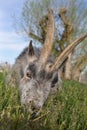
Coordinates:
11	44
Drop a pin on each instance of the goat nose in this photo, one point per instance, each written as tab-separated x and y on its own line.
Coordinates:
32	105
30	101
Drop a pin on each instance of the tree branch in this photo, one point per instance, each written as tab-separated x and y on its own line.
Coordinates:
34	36
67	23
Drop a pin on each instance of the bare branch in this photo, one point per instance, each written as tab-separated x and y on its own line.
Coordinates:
67	23
34	36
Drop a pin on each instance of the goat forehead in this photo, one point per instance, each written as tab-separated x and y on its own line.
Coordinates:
42	74
32	67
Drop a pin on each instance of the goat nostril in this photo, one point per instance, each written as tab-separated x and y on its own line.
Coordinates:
33	108
30	101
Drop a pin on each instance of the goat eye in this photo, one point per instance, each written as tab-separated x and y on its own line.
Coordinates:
28	75
50	65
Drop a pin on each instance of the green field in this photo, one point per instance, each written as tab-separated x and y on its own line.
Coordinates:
66	110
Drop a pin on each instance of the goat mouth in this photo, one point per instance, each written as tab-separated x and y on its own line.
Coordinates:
35	114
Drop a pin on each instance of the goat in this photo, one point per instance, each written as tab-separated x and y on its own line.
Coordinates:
35	73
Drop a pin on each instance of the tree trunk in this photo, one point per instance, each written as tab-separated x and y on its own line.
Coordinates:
75	75
68	67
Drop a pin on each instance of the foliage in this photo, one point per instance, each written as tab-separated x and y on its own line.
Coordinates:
66	110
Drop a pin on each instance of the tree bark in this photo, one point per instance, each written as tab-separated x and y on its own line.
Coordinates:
68	67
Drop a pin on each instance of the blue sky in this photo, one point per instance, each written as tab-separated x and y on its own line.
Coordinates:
11	43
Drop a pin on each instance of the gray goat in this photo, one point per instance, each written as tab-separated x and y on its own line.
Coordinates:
34	71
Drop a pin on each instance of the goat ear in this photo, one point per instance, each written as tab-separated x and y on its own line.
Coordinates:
30	49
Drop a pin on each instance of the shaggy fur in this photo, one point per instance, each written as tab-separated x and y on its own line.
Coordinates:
34	84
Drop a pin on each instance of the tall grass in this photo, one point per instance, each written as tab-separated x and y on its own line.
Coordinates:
66	110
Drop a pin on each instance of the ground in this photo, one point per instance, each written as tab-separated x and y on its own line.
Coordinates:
66	110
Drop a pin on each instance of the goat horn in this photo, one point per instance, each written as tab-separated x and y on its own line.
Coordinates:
60	59
48	44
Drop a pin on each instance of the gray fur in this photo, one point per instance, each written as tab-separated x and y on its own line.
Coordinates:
34	86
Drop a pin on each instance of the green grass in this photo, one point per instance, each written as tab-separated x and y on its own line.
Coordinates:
66	110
